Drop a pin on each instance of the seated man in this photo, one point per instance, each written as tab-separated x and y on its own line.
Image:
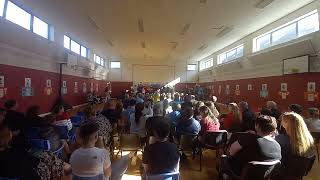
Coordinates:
161	156
89	161
253	147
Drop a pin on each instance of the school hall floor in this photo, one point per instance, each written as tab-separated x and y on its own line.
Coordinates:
189	169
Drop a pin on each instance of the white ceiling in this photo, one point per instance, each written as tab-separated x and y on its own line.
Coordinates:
163	22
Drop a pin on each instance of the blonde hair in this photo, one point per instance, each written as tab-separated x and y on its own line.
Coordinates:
236	112
301	141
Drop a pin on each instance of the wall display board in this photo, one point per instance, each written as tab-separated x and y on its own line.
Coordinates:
284	90
264	91
27	89
311	94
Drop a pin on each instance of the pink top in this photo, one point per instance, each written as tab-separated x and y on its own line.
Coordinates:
208	125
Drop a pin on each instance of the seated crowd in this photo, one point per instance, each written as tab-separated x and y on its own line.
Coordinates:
85	150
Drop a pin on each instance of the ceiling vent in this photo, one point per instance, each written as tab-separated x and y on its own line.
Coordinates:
140	25
224	31
110	43
173	45
94	24
204	46
217	28
143	44
185	29
263	3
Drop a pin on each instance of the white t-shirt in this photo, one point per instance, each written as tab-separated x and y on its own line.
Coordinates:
89	162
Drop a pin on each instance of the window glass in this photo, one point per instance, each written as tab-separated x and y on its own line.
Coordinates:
1	7
83	51
240	51
263	42
191	67
40	27
102	62
18	16
222	58
285	34
115	65
66	42
75	47
231	54
308	25
202	66
97	59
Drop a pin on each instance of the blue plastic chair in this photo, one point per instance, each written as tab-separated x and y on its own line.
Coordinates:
166	176
76	120
63	131
40	144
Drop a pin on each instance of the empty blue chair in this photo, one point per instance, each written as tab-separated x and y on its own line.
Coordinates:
40	144
166	176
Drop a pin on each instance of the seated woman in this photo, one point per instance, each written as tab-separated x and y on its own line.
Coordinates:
15	163
313	122
297	142
138	122
61	117
161	156
208	122
90	161
232	121
213	108
253	147
105	128
187	124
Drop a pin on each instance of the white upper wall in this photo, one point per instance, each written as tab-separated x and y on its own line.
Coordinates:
266	62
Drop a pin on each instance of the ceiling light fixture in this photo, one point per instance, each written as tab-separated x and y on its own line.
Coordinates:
94	24
185	29
140	25
204	46
263	3
224	31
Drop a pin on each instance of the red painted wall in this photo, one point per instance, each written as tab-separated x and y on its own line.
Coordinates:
118	88
297	86
15	80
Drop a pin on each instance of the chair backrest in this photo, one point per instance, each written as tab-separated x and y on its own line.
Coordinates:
215	139
187	141
259	170
298	166
234	137
62	131
98	177
166	176
59	152
130	142
40	144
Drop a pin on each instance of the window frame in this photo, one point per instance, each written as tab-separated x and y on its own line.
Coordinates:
204	63
6	17
81	46
115	62
2	15
290	23
102	61
193	65
48	27
230	58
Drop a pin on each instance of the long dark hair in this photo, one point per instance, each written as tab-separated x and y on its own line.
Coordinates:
138	112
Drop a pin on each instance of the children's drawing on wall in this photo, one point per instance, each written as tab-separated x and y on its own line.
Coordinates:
250	87
219	90
91	87
75	87
284	90
64	88
264	91
27	89
227	89
237	91
84	87
3	90
311	94
48	87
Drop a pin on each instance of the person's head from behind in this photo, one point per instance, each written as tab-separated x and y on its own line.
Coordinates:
89	133
265	125
90	111
313	113
233	108
138	112
266	112
212	108
214	99
295	108
5	137
187	98
176	97
300	138
58	109
119	107
11	104
162	128
271	105
198	105
132	103
157	110
205	111
243	106
175	106
188	112
33	111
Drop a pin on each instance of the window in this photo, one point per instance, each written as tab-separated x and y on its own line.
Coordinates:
75	47
206	64
18	16
1	7
40	27
115	65
230	55
98	60
301	26
191	67
66	42
84	51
